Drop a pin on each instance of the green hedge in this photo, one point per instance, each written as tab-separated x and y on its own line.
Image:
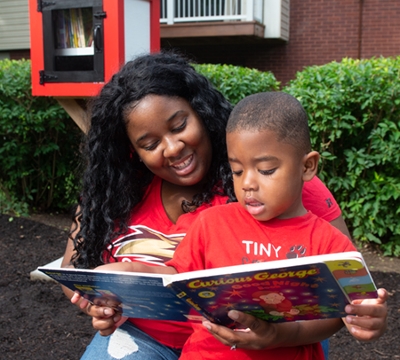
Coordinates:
39	142
354	111
237	82
38	146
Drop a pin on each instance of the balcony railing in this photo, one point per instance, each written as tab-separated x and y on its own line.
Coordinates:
180	11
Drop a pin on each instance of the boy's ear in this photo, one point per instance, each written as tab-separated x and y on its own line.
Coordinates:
310	164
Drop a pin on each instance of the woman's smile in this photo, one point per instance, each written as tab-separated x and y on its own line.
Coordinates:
183	167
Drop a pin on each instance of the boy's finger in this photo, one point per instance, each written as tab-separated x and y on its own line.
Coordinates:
365	323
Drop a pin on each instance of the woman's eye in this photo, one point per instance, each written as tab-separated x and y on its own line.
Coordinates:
267	172
237	173
150	147
180	127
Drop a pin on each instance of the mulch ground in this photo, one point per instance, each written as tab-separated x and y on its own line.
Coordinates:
37	322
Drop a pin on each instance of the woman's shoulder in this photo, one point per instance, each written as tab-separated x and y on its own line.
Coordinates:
319	200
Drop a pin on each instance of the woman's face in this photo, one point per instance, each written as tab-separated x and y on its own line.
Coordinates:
170	139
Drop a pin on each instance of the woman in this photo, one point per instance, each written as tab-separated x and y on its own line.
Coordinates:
156	157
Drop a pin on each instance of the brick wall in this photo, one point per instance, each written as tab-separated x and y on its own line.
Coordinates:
381	28
320	32
20	54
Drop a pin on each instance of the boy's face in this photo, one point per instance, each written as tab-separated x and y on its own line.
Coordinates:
267	174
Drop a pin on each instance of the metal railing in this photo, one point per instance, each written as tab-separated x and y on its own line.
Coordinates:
178	11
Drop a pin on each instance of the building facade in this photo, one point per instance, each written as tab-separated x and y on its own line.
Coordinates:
311	33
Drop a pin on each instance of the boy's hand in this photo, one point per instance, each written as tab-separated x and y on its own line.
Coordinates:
369	317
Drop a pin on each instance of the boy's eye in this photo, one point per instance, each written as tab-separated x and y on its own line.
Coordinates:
180	127
267	172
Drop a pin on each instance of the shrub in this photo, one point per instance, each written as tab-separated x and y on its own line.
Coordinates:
38	146
236	82
39	142
354	112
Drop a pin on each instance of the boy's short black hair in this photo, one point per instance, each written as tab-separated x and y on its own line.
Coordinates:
274	111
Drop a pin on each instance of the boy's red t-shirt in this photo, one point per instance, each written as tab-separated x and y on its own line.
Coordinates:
228	235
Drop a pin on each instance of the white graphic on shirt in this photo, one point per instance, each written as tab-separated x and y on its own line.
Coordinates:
259	249
146	245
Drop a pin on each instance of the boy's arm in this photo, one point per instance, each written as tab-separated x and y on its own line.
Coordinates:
137	267
368	319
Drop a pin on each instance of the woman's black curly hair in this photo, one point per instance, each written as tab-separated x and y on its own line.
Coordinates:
114	180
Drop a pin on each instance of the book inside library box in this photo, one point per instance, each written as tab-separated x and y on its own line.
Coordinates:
73	39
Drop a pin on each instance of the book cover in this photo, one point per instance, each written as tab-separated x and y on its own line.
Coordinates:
60	30
74	27
315	287
287	291
135	295
87	18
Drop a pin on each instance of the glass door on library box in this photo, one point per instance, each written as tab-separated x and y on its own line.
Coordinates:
76	45
73	41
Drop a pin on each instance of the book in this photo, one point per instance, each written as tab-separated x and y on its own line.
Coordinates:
308	288
60	30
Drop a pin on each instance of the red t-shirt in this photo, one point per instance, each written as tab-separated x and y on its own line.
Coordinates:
319	200
228	235
153	237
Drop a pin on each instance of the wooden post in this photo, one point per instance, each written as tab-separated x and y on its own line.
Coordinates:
76	108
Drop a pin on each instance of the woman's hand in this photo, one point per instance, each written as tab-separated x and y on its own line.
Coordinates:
260	334
368	319
257	334
105	318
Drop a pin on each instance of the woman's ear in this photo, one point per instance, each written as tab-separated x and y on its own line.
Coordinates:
310	165
131	151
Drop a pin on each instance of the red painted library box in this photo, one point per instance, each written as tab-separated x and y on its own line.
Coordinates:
77	45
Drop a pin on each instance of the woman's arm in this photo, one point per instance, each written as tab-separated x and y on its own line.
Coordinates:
263	335
104	318
340	224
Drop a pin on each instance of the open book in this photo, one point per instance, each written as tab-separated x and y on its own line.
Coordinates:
314	287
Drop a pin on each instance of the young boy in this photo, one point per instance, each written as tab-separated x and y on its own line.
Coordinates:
270	155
